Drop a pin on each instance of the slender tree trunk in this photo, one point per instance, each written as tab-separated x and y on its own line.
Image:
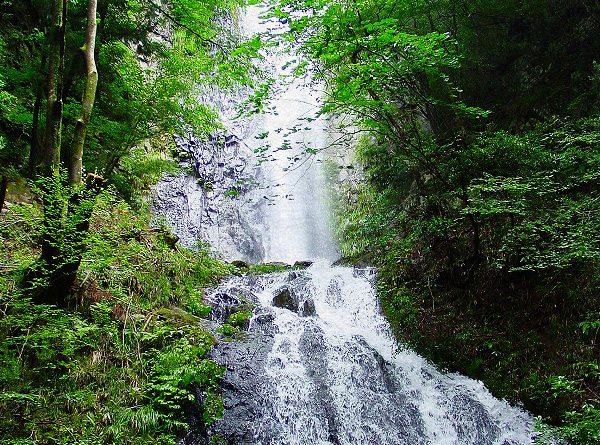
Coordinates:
41	278
87	102
35	151
54	103
3	186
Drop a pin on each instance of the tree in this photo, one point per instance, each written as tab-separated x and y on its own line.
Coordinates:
87	101
426	79
480	144
138	64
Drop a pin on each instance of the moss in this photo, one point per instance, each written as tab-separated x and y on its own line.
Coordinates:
257	269
179	318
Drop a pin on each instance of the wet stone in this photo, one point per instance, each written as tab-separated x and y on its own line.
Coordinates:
284	299
308	309
302	264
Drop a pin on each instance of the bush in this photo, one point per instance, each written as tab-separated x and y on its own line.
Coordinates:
110	368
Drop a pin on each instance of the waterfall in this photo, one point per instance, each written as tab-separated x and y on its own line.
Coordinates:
297	227
318	363
270	208
334	374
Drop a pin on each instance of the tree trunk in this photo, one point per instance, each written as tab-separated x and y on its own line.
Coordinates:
66	221
3	186
34	151
66	224
54	103
87	101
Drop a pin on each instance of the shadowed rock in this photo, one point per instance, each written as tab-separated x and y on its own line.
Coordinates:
302	264
284	299
288	298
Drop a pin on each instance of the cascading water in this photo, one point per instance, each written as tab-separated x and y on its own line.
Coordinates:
324	369
297	225
318	364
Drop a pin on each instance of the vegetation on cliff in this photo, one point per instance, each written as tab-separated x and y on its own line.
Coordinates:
100	335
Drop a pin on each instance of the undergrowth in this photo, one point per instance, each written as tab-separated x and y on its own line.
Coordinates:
120	363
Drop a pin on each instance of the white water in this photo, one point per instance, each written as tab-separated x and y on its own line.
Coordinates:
297	222
338	377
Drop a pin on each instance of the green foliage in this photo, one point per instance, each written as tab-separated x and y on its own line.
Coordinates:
20	228
227	329
195	306
545	211
111	368
239	318
237	322
154	60
480	147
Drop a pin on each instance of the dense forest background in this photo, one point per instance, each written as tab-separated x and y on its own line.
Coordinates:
476	124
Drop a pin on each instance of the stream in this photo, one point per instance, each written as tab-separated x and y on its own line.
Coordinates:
327	370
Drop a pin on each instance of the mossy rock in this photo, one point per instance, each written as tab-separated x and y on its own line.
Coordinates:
269	268
17	191
302	264
240	264
179	317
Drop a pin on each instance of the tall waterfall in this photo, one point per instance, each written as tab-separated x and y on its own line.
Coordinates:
296	217
247	206
318	363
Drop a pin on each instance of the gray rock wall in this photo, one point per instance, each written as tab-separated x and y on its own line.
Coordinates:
215	199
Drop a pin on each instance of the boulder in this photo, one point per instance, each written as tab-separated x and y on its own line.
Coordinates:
302	264
277	264
308	308
240	264
287	298
284	299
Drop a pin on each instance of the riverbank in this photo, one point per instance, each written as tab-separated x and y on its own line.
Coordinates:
531	337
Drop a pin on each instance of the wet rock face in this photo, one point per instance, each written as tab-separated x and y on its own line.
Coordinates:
214	199
227	302
295	296
181	201
245	390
